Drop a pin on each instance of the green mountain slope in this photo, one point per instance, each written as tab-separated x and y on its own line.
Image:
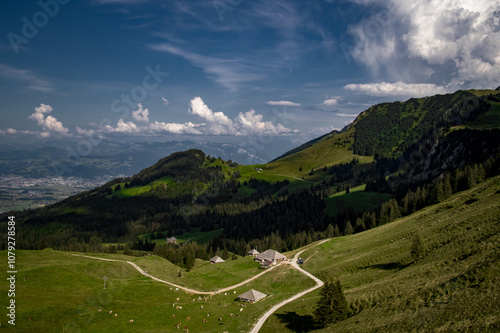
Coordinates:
454	288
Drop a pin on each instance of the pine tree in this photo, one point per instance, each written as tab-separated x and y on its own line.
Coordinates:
447	190
329	232
332	306
126	250
348	228
417	247
336	231
225	254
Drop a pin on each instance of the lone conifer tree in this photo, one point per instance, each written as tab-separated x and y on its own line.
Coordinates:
332	306
417	247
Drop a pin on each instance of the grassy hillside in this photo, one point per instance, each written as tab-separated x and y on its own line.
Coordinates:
331	150
456	287
63	293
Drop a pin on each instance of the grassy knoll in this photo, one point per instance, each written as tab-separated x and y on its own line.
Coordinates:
357	199
138	190
62	293
455	287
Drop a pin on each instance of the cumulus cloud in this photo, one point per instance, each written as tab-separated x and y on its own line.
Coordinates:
283	103
175	128
11	131
214	123
47	122
251	123
451	41
141	114
397	89
123	127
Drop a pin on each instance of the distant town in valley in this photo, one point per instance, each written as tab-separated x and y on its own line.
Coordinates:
19	193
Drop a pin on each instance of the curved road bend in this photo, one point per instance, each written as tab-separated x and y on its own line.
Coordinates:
181	287
268	313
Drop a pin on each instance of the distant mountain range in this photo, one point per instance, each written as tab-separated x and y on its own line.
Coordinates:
110	158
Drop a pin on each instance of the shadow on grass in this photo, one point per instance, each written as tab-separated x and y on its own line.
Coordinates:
389	266
297	323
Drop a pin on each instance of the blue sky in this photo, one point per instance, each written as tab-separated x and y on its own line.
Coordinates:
227	69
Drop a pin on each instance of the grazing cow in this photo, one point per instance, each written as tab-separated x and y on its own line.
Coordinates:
220	319
188	318
204	320
230	315
131	320
110	312
116	314
241	309
173	316
99	310
170	288
201	307
178	298
208	314
194	300
176	288
180	307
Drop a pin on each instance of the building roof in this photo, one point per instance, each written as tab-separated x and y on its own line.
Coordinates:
270	255
252	295
217	260
253	252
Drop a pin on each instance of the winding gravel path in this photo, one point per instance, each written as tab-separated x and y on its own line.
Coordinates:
262	319
268	313
189	290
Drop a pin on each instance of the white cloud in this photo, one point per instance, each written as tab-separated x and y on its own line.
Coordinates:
48	123
451	41
397	89
330	101
123	127
141	114
251	123
175	128
283	103
216	122
26	77
165	101
230	73
11	131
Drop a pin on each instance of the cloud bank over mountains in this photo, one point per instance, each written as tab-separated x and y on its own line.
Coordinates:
213	123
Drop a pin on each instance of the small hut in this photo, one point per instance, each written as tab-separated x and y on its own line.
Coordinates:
252	296
171	240
253	252
217	260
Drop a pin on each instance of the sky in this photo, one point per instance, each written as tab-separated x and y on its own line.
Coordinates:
231	69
